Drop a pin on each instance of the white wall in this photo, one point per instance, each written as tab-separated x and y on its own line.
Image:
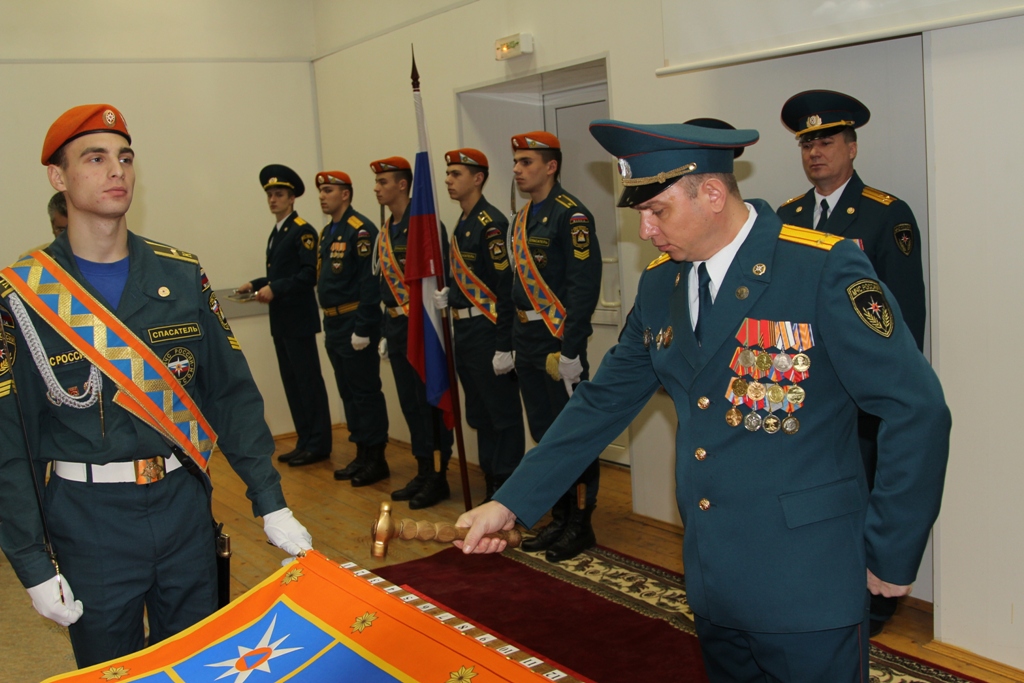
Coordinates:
974	76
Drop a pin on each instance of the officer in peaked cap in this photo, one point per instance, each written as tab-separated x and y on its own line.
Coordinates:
126	509
768	338
350	301
557	283
294	316
838	202
480	295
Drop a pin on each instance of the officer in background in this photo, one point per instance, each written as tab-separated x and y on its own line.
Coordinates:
426	423
294	317
481	299
825	124
350	300
128	514
557	263
57	208
768	338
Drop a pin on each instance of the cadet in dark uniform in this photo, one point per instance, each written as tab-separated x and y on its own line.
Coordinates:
127	512
768	339
480	294
294	318
350	298
426	424
557	264
825	124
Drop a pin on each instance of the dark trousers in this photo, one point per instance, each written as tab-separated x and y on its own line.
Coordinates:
423	419
544	397
357	374
493	408
123	547
834	656
299	362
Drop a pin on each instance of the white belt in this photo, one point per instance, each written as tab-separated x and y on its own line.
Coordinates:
112	473
528	316
461	313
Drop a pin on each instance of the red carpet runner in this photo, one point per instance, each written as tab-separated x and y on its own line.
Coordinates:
608	617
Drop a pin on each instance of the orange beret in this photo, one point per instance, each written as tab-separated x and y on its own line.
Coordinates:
538	139
83	120
466	156
390	164
333	178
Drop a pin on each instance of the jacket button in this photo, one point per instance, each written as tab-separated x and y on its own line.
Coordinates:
703	402
704	504
700	454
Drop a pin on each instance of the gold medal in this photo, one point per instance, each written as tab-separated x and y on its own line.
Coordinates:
666	339
755	391
771	424
647	338
791	425
796	393
752	422
733	417
801	362
747	358
739	387
783	362
776	394
764	361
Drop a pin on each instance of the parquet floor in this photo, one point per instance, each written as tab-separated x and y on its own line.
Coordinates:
339	518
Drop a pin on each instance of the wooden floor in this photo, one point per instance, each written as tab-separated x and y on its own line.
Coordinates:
339	518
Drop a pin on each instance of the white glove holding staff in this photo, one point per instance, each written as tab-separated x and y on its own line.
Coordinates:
359	343
441	299
49	601
286	532
503	362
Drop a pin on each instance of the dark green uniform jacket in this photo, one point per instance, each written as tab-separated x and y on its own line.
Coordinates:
779	527
346	270
891	240
185	324
291	274
564	246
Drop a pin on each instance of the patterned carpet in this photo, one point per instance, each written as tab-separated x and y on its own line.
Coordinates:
660	594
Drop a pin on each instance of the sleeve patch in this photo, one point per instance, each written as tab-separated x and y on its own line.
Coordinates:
869	302
355	222
904	236
498	252
492	233
218	311
309	241
234	344
580	235
205	280
578	218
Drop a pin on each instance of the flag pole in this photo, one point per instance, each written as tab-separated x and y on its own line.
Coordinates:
453	382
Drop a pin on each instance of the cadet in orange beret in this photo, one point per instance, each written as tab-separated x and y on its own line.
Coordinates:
127	506
350	301
482	312
426	424
557	284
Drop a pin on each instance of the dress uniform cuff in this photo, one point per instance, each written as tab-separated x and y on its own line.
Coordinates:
267	501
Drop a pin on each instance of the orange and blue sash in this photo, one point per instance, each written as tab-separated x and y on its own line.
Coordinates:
390	268
474	289
544	301
146	388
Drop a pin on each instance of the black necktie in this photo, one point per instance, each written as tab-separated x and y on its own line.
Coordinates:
704	300
823	217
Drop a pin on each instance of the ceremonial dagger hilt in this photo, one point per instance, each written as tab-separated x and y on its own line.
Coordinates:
385	527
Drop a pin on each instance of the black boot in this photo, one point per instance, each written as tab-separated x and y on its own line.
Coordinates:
433	492
349	470
547	536
374	469
285	457
423	471
577	537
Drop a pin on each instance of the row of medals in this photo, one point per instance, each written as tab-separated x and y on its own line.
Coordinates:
775	393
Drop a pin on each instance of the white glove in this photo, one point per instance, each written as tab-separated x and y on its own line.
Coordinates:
359	343
286	532
570	369
503	362
441	298
382	348
46	598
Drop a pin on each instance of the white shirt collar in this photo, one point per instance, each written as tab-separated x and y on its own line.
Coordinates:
718	265
832	200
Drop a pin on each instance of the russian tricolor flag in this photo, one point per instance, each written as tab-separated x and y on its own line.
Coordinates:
424	271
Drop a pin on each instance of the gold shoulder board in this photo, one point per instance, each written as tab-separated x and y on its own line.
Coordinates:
354	221
794	199
878	196
658	261
170	252
810	238
299	221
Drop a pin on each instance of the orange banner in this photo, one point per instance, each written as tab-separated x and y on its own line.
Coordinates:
317	621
